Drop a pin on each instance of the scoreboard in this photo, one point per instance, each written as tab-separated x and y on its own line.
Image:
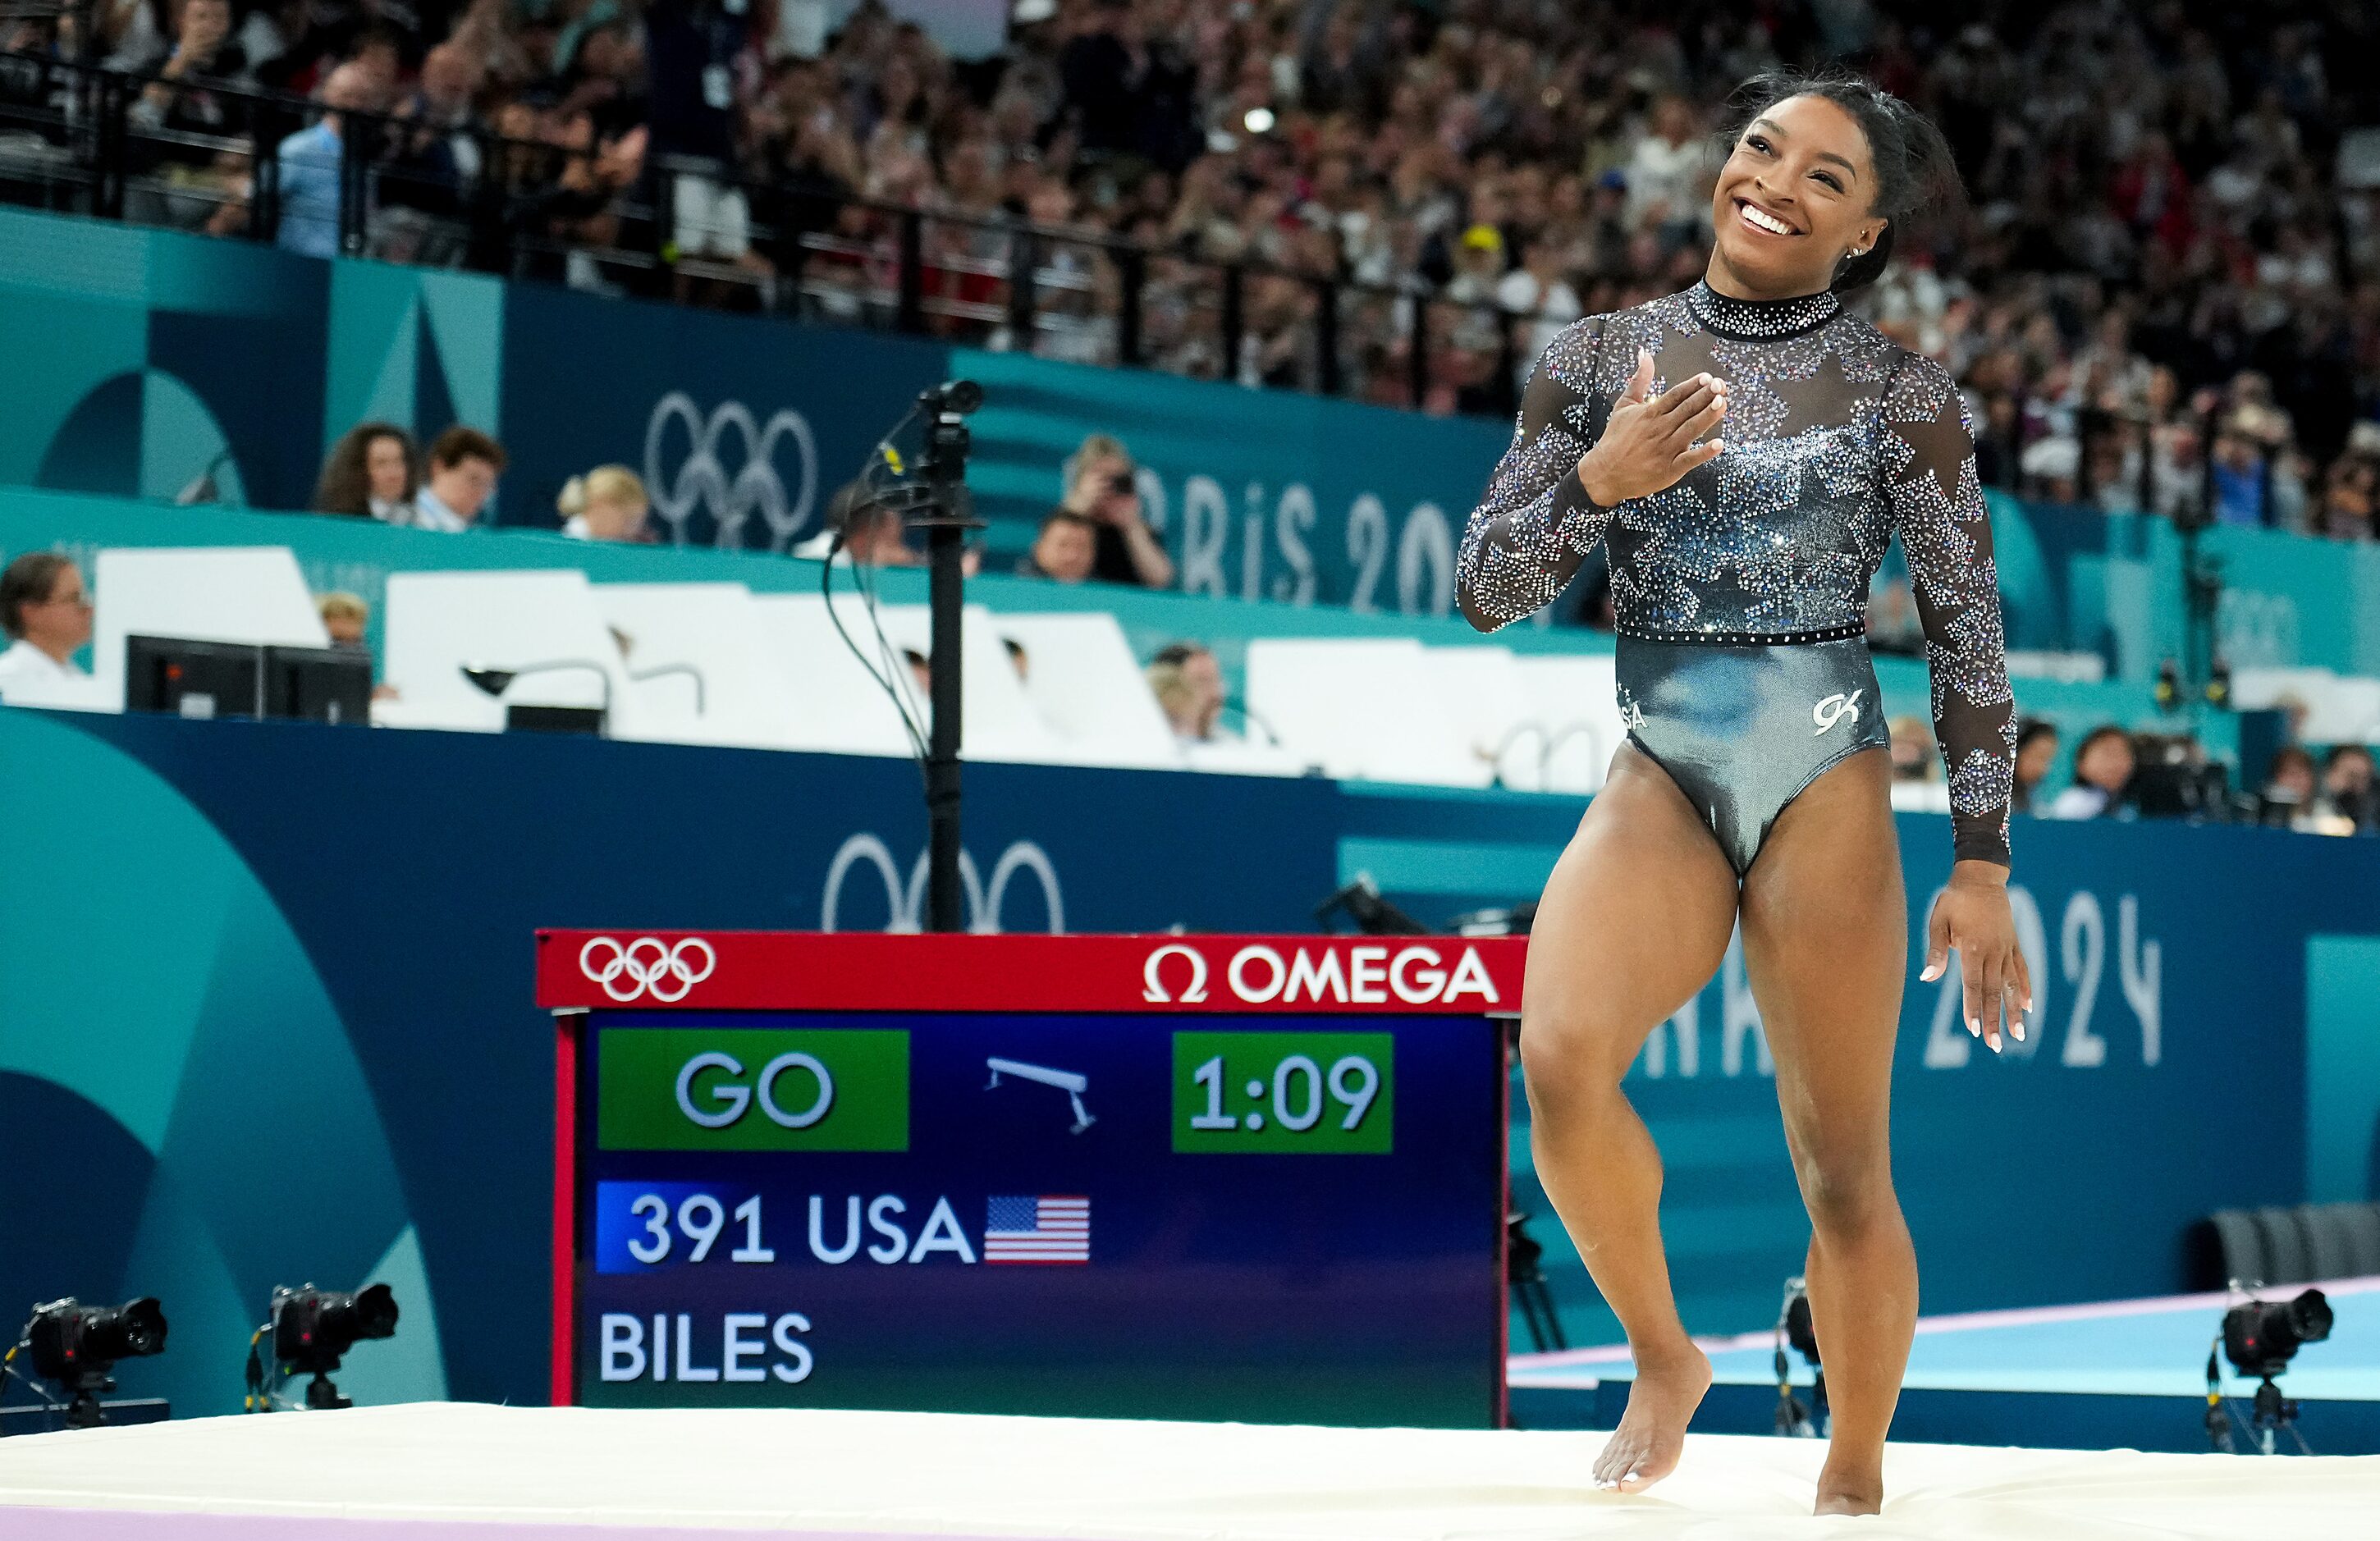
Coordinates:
1249	1178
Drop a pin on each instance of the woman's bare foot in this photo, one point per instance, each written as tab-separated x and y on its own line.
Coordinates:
1662	1400
1847	1491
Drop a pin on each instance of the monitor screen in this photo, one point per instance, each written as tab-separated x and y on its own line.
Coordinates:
318	684
193	678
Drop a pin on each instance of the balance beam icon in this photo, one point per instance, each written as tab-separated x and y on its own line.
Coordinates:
1066	1080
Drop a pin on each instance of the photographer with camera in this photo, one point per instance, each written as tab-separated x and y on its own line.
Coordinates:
1099	489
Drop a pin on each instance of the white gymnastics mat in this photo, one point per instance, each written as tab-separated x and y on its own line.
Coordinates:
475	1472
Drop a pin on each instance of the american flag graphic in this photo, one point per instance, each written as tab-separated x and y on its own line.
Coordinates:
1042	1230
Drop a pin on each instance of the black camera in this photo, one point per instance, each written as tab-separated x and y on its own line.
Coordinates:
313	1328
2260	1336
76	1345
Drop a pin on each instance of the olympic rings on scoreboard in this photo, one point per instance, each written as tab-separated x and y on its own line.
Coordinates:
666	971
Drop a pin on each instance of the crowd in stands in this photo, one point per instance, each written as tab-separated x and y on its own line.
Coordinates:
2165	289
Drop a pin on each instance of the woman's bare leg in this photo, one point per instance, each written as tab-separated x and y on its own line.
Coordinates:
1826	945
1633	921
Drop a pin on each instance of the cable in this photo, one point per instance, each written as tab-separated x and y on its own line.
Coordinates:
884	454
908	728
255	1400
895	671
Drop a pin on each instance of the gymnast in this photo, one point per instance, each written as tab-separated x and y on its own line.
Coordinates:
1745	451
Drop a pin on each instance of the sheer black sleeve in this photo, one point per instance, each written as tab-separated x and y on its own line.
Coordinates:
1536	523
1937	506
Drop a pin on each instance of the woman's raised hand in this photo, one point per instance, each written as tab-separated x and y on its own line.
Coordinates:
1649	441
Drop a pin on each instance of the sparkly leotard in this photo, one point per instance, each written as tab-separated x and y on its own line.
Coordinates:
1741	591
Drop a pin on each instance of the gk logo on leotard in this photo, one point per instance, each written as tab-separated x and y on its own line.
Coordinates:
1834	709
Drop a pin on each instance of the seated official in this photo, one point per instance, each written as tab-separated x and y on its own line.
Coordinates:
46	612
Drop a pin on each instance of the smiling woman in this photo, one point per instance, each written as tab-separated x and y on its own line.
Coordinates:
1745	451
1819	171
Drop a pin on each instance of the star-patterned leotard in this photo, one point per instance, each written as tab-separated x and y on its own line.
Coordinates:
1741	591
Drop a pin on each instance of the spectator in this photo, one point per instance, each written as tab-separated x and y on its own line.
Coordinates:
692	50
197	170
1915	757
1065	550
345	617
463	464
47	616
1538	290
1666	173
2289	788
371	472
1100	67
2036	751
2103	775
427	185
125	32
1188	684
310	167
2346	786
1101	487
607	503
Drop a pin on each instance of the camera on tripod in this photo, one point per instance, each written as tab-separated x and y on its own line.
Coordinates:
76	1345
2260	1338
313	1330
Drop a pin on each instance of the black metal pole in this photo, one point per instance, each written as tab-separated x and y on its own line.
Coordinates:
1024	258
1132	265
909	314
110	104
353	158
946	527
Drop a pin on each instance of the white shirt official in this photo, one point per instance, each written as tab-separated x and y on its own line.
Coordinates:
33	677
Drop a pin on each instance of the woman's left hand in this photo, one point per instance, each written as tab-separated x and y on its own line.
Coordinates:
1972	916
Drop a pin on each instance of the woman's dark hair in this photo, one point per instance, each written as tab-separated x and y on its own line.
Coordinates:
28	580
1914	168
2032	728
345	486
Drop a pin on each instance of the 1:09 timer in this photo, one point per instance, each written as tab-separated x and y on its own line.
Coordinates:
1285	1093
